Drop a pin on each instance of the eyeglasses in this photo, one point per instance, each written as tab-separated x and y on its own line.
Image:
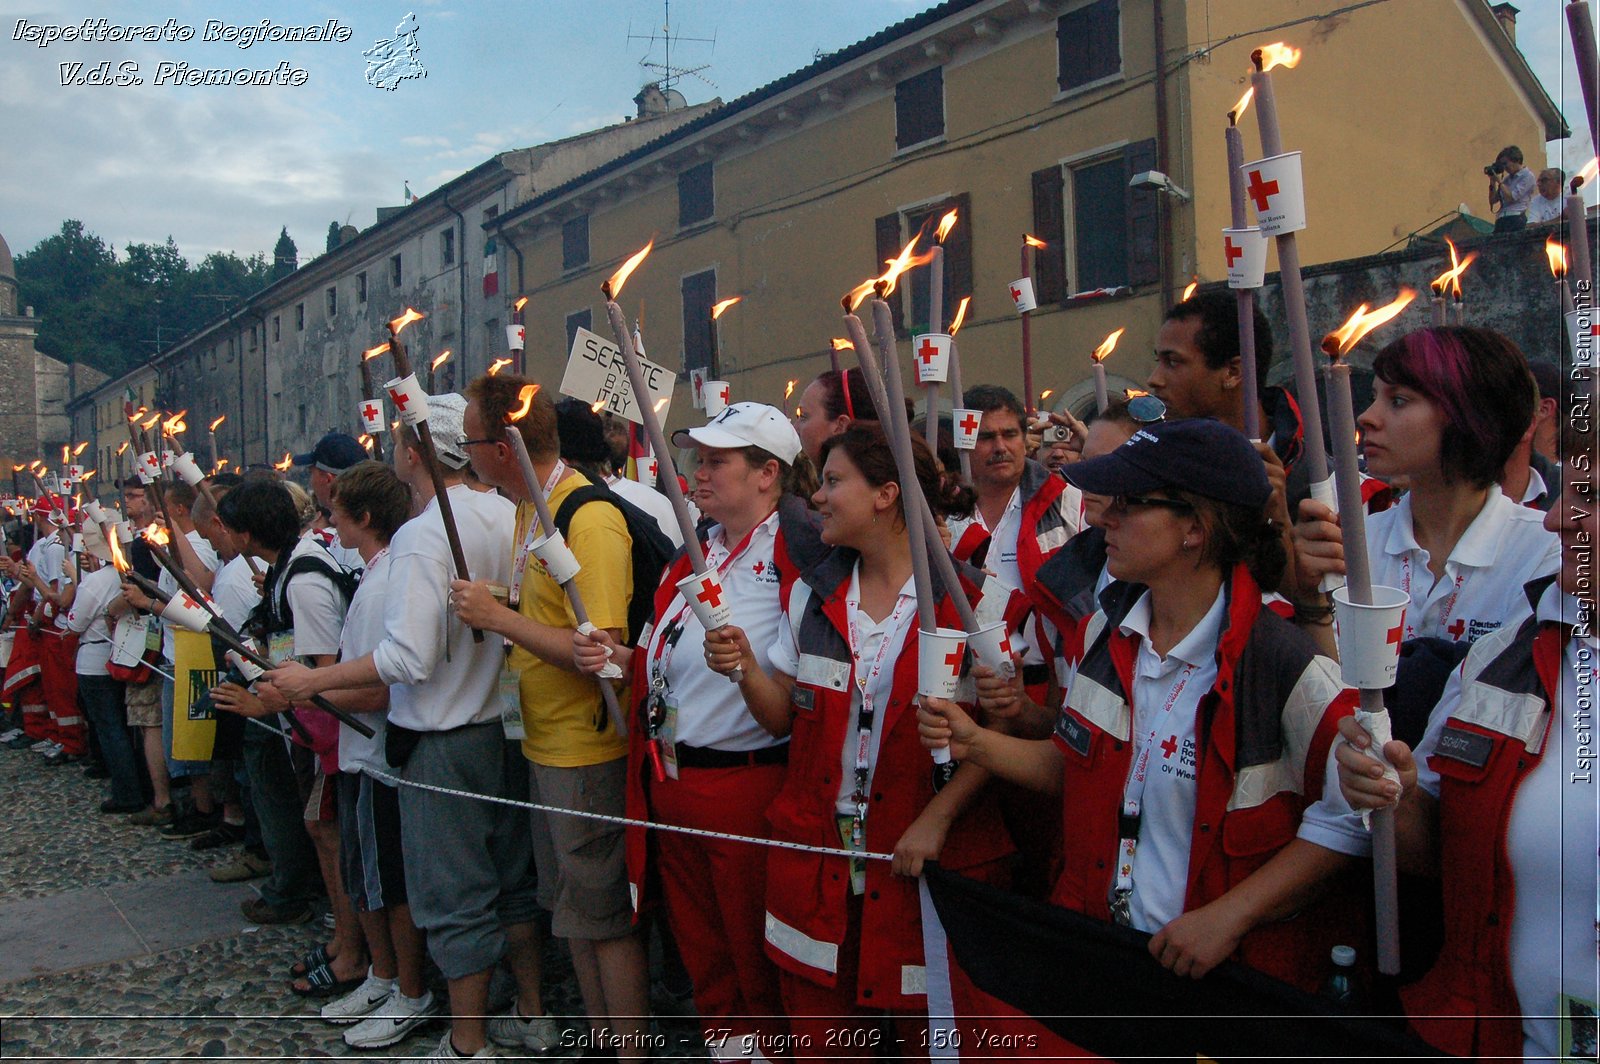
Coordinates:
1147	409
462	441
1122	503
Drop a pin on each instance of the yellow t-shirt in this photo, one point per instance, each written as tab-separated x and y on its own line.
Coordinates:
564	719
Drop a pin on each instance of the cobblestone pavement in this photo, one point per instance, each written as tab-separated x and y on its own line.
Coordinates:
223	997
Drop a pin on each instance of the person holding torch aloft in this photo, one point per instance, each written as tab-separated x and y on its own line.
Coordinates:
697	757
846	932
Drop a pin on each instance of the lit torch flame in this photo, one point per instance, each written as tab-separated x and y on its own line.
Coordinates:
398	324
1343	340
118	562
788	390
90	474
18	468
961	315
1045	395
1133	393
123	449
1588	173
1189	290
84	446
1238	109
598	406
374	352
1032	241
1275	55
151	422
157	535
525	394
516	307
947	223
66	453
1451	278
175	424
1556	252
613	286
213	426
716	311
1108	345
497	365
221	464
283	466
884	283
365	441
841	344
661	404
443	357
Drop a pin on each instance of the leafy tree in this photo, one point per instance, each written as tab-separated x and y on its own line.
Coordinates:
333	236
285	256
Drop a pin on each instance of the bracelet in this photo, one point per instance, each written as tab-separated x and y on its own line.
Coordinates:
1306	613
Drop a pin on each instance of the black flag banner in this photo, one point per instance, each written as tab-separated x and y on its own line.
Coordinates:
1020	978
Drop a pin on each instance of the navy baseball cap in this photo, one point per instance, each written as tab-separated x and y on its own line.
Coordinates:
334	453
1199	455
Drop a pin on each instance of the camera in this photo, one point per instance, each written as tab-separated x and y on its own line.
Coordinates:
1056	434
1495	169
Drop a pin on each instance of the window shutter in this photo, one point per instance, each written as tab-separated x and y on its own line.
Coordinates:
575	242
696	195
1144	247
578	319
1088	44
919	108
699	293
1049	225
958	258
887	242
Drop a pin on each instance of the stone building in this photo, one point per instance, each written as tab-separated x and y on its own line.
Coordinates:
35	390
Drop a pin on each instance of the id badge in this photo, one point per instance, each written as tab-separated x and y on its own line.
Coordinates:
152	635
511	705
668	734
280	647
1577	1031
131	640
858	865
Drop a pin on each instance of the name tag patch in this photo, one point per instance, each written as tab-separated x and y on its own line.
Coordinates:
1469	748
1074	733
804	698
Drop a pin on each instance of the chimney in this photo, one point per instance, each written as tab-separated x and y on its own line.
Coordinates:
1506	15
651	100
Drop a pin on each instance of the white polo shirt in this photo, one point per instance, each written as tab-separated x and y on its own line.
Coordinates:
234	591
168	585
710	710
363	631
87	617
439	678
1505	547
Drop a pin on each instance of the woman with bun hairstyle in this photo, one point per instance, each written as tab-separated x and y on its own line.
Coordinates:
1449	406
829	405
846	932
1190	755
696	757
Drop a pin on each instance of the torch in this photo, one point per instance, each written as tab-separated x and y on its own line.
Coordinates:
409	399
1294	293
1028	241
1245	298
958	395
193	599
835	345
930	389
367	393
1448	285
1360	603
552	551
1109	344
1581	271
710	593
717	311
1556	252
517	332
211	436
1581	26
433	368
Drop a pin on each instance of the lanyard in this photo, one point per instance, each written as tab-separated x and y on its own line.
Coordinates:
868	711
371	563
1449	603
668	634
519	562
1133	800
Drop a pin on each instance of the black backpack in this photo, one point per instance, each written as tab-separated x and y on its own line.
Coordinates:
652	550
266	620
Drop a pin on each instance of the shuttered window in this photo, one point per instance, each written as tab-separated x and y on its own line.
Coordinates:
699	293
575	242
578	319
892	232
1089	44
919	109
1113	238
696	196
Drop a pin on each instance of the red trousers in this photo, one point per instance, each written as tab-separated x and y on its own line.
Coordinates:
716	892
24	684
59	660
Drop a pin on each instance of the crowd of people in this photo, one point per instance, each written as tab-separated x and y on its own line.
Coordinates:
1172	748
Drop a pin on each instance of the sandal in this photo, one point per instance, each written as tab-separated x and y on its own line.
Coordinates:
317	958
320	982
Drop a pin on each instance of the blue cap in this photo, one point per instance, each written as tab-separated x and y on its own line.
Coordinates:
1198	455
334	453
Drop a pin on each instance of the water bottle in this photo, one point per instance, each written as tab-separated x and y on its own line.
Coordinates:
1340	986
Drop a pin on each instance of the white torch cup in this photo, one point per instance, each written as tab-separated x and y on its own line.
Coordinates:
991	645
1286	205
409	398
966	423
556	557
1021	292
184	612
940	655
516	337
1369	636
707	598
930	354
187	468
1245	255
711	397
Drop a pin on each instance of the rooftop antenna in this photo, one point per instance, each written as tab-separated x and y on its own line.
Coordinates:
667	75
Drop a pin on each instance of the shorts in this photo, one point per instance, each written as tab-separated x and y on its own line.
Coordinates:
322	798
144	704
370	856
583	876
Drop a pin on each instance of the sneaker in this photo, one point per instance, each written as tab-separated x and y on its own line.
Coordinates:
364	1000
224	834
246	866
10	734
21	742
59	756
152	817
445	1051
191	825
45	746
539	1035
396	1017
260	911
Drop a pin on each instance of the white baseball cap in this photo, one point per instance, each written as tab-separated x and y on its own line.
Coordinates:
746	425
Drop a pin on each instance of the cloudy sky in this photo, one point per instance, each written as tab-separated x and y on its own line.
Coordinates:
222	168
